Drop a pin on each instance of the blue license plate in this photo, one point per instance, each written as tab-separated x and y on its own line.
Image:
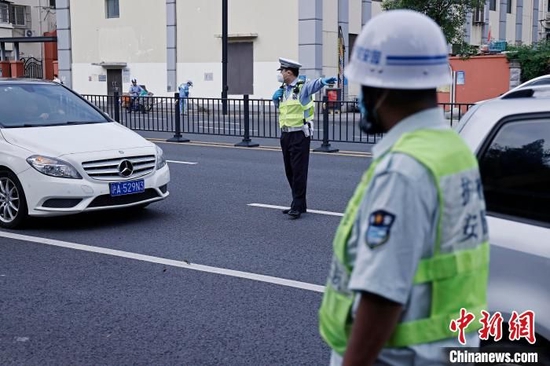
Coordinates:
124	188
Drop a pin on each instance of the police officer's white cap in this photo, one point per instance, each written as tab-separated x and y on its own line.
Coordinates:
288	64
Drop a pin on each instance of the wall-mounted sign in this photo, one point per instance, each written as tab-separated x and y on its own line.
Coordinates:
126	75
460	78
102	77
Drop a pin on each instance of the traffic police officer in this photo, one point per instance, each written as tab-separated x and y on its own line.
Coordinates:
412	248
296	110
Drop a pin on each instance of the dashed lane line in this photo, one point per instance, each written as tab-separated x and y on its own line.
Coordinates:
182	162
166	262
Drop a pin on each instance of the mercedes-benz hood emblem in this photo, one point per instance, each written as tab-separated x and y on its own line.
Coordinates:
125	168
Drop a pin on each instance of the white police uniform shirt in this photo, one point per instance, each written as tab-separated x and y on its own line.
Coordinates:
404	188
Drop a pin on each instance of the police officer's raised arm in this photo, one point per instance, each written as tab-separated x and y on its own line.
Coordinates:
313	86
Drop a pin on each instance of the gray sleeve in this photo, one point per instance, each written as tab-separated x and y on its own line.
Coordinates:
396	225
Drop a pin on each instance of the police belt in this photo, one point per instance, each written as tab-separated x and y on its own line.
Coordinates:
291	129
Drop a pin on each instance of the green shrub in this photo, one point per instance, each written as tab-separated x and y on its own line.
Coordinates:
534	59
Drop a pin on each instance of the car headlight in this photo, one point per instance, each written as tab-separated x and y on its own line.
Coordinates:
161	161
53	167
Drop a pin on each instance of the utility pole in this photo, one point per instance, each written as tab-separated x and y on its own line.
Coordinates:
224	56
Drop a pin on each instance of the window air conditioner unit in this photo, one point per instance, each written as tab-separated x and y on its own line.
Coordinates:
478	16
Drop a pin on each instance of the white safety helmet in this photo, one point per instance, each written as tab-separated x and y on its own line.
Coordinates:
400	49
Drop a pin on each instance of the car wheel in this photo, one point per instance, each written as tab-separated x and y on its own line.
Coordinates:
13	204
508	346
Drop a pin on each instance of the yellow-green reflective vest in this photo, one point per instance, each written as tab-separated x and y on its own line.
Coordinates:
458	278
291	110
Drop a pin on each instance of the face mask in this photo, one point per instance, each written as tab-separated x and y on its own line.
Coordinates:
280	78
369	122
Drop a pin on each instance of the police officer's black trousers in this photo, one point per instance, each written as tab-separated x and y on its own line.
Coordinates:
295	146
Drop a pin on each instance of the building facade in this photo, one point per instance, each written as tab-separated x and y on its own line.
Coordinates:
103	44
26	18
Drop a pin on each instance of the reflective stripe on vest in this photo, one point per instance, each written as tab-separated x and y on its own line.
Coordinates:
291	111
458	278
309	109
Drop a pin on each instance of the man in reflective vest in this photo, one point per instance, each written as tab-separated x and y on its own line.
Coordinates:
294	99
412	248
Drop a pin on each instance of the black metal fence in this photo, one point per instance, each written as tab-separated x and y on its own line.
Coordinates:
335	121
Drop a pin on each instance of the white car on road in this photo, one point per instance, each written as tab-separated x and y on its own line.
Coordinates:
511	138
61	155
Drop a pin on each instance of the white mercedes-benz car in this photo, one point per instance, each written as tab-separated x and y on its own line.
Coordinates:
61	155
511	138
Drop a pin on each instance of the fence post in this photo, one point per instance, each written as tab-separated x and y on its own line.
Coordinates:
325	146
117	106
246	138
178	120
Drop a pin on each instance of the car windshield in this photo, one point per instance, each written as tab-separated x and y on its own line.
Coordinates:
34	105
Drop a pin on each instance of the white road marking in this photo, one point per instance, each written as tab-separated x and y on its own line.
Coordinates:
500	238
329	213
182	162
166	262
227	128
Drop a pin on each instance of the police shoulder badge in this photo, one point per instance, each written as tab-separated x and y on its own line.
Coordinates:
378	231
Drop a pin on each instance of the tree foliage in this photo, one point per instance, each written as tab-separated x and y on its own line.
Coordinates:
534	59
450	15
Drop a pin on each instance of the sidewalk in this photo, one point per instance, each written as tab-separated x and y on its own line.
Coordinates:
268	142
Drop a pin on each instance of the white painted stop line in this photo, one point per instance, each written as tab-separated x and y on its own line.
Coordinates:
166	262
320	212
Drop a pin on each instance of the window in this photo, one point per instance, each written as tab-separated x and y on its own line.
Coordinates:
539	82
509	6
478	15
111	9
19	15
493	5
4	13
351	42
515	170
24	104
